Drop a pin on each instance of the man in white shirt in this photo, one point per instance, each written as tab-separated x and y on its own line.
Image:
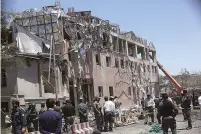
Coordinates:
109	109
149	108
199	101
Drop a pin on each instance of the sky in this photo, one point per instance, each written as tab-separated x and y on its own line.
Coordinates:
174	26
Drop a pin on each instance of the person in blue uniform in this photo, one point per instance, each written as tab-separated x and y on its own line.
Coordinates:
50	121
18	118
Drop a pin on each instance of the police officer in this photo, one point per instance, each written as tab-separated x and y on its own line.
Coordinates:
18	118
42	108
186	103
83	111
98	113
32	119
168	111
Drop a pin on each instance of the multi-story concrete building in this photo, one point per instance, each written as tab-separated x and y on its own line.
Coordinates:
94	59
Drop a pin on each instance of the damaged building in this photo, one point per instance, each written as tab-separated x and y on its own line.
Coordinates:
93	58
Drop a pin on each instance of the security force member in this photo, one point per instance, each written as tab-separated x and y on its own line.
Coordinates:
168	111
32	118
186	103
18	118
98	113
83	111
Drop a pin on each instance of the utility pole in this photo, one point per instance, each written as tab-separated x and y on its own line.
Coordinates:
54	66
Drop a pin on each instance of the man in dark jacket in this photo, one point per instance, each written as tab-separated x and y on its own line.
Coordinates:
18	118
68	112
168	111
50	121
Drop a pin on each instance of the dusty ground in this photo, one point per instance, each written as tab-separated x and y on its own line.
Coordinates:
181	126
140	127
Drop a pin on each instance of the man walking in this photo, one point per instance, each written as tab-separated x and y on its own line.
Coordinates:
97	112
83	111
168	111
18	118
149	108
186	103
50	121
109	108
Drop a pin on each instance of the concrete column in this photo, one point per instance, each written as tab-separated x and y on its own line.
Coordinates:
126	44
75	95
40	79
89	92
135	51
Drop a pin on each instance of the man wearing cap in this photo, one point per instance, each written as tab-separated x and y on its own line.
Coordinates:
167	110
109	108
83	111
149	108
18	118
98	113
186	103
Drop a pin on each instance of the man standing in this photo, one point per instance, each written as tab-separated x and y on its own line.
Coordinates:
186	103
182	96
57	107
18	118
83	111
168	111
109	108
50	121
199	101
97	112
42	108
157	102
68	112
32	119
149	108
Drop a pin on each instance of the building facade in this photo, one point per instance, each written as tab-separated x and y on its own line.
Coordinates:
94	58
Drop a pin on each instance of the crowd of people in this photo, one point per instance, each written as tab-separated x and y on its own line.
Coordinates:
49	119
